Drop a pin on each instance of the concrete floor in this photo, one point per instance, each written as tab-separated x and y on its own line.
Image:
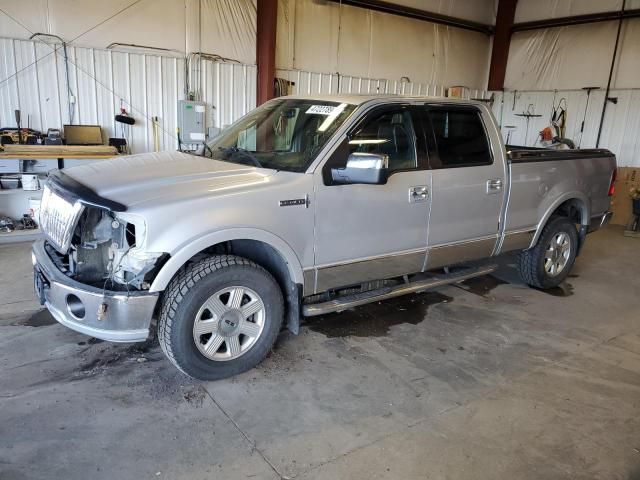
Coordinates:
486	380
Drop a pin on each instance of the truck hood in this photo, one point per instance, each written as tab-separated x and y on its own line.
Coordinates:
164	176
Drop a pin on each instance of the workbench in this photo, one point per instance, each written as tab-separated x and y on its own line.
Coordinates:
15	202
58	152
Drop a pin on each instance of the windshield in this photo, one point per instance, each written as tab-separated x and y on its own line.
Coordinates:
282	134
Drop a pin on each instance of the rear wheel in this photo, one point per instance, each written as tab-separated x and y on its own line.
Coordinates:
220	317
548	263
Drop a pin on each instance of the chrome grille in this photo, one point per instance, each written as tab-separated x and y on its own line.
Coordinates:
58	219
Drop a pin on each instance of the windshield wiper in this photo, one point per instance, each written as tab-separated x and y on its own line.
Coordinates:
244	153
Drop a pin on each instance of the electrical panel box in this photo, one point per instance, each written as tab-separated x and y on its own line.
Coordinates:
191	122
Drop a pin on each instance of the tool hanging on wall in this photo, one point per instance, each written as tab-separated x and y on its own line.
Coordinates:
179	139
553	135
17	113
156	133
125	120
528	115
510	129
559	117
586	109
282	87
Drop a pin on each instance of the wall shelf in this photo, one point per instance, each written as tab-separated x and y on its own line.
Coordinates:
21	236
16	191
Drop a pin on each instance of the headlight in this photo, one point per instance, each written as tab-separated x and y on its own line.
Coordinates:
58	219
134	230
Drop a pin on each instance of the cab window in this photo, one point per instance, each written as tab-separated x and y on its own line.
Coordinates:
388	133
460	138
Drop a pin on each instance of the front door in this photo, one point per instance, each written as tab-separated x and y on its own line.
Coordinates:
370	232
468	185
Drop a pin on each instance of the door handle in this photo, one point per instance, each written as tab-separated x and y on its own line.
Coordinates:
494	186
418	194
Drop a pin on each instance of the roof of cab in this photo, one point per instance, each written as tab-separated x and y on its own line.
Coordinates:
360	99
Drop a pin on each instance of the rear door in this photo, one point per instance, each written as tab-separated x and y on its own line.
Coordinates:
468	184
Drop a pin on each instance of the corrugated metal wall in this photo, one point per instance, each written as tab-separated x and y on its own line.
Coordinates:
229	88
149	85
100	82
33	80
619	132
326	83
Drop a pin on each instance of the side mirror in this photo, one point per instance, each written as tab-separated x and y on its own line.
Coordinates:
366	168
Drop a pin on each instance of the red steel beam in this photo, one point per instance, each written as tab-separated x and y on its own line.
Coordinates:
501	43
266	19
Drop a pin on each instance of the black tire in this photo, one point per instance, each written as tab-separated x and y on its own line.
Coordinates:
186	294
532	261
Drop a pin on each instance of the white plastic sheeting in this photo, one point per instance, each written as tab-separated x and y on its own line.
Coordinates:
73	20
574	57
329	37
620	128
223	27
481	11
101	81
306	82
549	64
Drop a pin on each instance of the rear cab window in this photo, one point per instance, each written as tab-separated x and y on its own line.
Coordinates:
459	138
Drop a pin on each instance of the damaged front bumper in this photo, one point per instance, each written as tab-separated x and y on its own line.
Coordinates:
104	314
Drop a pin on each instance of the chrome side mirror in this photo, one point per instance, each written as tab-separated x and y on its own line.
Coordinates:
365	168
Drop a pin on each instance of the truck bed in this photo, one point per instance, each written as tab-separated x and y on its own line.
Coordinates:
540	179
518	154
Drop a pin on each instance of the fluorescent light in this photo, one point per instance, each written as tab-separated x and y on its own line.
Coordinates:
368	142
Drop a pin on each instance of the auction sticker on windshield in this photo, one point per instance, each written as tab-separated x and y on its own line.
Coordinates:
321	109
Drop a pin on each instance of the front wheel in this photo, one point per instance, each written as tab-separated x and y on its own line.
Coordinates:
220	317
548	263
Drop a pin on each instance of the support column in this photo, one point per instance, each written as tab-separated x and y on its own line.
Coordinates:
501	42
267	19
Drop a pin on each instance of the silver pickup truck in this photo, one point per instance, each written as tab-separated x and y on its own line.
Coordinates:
305	206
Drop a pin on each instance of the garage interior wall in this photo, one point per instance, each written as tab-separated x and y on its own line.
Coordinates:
548	65
147	82
327	38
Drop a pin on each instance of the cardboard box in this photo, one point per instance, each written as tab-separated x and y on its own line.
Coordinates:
458	92
628	178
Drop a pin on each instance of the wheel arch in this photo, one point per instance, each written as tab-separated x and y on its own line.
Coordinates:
574	205
262	247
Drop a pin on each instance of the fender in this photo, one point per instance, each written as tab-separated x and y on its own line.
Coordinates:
188	250
559	201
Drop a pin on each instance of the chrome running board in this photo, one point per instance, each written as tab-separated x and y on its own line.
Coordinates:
355	300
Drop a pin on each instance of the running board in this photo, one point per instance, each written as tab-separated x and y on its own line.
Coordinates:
355	300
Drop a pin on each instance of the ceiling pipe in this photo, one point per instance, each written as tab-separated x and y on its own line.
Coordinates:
418	14
613	63
576	20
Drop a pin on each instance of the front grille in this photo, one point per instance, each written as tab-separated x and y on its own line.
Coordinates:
58	219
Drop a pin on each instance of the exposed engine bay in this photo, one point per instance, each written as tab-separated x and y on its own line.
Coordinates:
104	253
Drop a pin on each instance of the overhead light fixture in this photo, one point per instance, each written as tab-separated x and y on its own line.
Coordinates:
376	141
